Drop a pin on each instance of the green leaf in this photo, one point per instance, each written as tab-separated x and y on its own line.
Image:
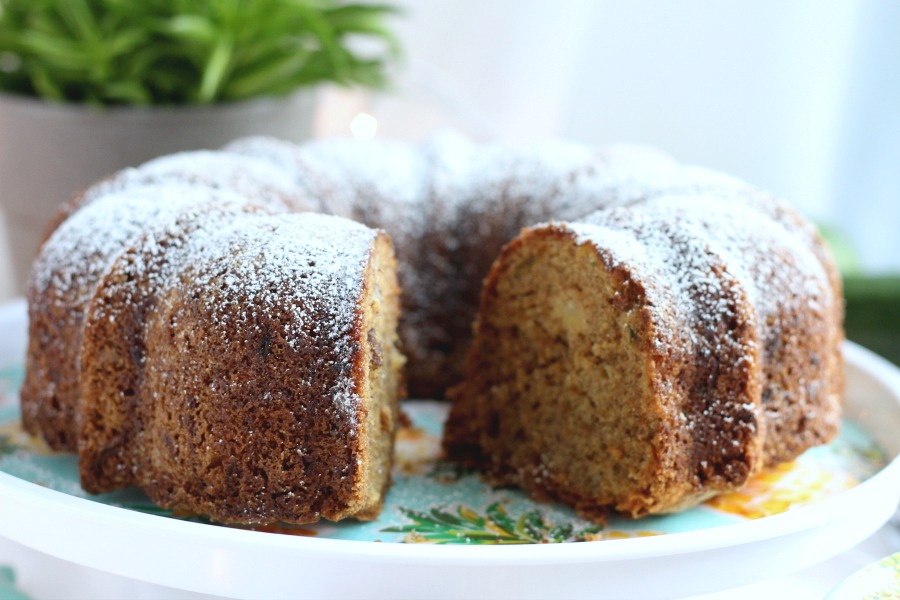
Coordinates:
125	42
399	529
267	77
129	92
189	28
46	85
470	516
496	513
560	532
531	525
175	51
366	19
216	71
595	529
441	526
445	517
55	53
80	20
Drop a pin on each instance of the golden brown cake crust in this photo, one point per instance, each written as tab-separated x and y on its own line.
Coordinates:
63	281
228	360
239	440
114	345
274	426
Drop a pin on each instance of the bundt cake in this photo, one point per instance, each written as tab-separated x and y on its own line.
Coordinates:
670	332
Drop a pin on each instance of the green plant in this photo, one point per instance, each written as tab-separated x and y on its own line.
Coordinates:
494	527
188	51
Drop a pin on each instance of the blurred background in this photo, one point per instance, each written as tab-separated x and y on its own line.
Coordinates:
800	97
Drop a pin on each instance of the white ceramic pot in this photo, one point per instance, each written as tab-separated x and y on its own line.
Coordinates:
50	151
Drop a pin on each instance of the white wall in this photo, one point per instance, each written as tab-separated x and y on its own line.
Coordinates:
800	97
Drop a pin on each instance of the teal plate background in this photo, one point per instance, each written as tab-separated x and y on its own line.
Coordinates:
432	501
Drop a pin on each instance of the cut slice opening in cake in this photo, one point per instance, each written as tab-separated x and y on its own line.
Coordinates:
562	377
382	364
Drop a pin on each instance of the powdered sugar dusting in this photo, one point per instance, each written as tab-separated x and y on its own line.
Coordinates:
258	180
303	272
674	241
163	246
80	250
449	206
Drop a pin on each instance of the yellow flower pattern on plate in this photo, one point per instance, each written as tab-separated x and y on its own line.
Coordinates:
782	488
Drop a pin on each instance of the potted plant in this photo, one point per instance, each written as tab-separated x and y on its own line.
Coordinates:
90	86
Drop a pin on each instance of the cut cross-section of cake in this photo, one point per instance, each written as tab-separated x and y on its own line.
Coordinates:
647	357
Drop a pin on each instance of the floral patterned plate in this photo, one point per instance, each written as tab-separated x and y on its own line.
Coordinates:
432	501
878	581
8	589
444	532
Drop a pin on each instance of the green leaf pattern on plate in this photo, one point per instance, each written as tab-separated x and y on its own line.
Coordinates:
496	526
878	581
